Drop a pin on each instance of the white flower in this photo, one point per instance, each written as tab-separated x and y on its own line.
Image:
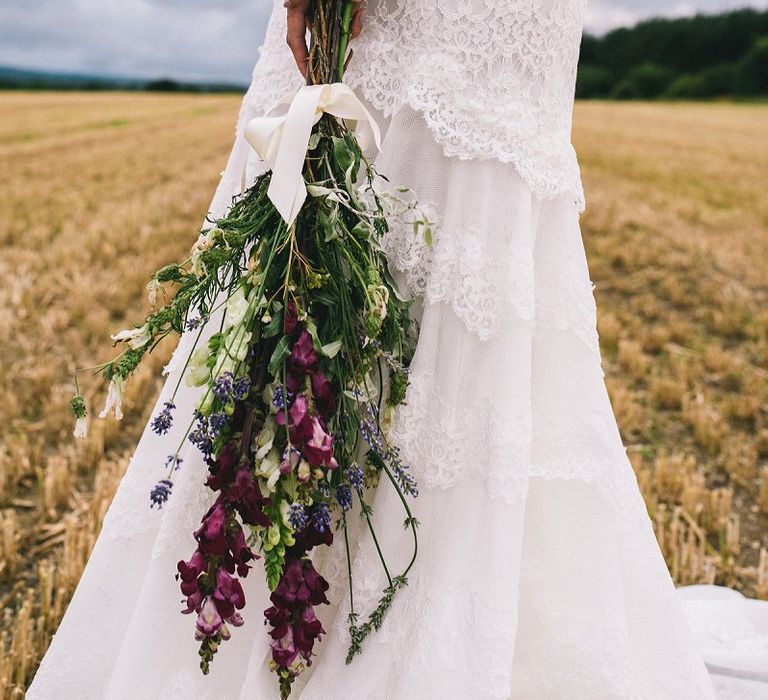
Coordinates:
265	439
197	371
269	469
236	310
152	289
135	337
114	400
81	428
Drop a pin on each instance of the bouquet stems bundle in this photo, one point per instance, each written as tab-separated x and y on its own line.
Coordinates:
308	357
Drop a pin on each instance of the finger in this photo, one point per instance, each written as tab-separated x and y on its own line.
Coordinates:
296	37
357	19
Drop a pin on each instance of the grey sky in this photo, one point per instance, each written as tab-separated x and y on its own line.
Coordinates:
203	39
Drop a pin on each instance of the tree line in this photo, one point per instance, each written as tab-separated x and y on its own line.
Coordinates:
704	56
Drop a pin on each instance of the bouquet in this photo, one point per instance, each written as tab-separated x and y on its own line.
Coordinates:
310	353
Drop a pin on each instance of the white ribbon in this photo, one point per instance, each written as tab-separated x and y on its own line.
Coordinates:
282	142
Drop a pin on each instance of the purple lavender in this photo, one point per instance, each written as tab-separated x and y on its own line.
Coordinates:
297	517
321	517
217	422
240	388
173	462
194	323
344	497
400	472
371	435
222	387
162	422
281	397
200	438
160	493
355	476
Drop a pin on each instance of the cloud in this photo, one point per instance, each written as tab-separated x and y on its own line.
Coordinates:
190	39
604	15
203	39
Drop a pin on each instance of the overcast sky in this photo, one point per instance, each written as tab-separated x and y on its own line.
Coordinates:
203	39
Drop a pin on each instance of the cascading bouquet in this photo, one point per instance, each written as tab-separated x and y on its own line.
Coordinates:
310	352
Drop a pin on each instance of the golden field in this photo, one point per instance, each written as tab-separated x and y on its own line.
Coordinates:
99	190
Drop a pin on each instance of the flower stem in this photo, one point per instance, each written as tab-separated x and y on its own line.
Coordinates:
346	21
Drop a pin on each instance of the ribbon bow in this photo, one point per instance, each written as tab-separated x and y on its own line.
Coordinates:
282	142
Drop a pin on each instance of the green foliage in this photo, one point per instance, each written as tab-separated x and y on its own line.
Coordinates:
643	82
752	70
693	57
594	81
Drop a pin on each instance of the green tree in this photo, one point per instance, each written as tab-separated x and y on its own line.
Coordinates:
752	70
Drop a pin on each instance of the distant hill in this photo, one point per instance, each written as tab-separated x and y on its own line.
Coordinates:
705	56
30	79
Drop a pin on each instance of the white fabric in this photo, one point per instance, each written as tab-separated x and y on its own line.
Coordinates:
539	577
493	79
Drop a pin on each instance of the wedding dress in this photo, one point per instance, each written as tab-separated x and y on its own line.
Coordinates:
539	576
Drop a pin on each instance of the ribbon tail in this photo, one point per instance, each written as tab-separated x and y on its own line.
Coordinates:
287	189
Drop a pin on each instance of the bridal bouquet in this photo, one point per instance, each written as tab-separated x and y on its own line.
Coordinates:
309	355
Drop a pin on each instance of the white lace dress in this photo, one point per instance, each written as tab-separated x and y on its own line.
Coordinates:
539	576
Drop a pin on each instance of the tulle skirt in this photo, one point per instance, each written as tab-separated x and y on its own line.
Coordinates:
538	573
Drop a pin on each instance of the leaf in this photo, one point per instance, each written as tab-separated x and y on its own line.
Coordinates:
342	154
312	329
280	353
362	230
276	324
332	349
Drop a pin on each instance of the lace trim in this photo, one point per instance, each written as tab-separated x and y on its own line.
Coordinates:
444	445
480	283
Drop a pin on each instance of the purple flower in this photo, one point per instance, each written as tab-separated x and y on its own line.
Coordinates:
306	632
284	651
371	435
162	422
209	622
300	585
173	462
240	388
290	461
300	423
247	498
211	535
297	516
344	497
189	572
323	394
228	595
290	318
321	517
355	476
222	387
318	449
194	323
217	422
281	397
303	356
160	493
200	438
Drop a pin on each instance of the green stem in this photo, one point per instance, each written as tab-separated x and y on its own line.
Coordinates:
346	21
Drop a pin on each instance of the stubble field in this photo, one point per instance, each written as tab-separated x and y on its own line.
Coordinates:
99	190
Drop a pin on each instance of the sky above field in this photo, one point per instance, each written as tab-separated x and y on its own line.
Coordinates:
204	39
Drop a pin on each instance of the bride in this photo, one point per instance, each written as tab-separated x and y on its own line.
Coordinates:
539	575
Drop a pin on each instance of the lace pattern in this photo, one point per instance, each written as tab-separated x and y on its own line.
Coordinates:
493	79
446	445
